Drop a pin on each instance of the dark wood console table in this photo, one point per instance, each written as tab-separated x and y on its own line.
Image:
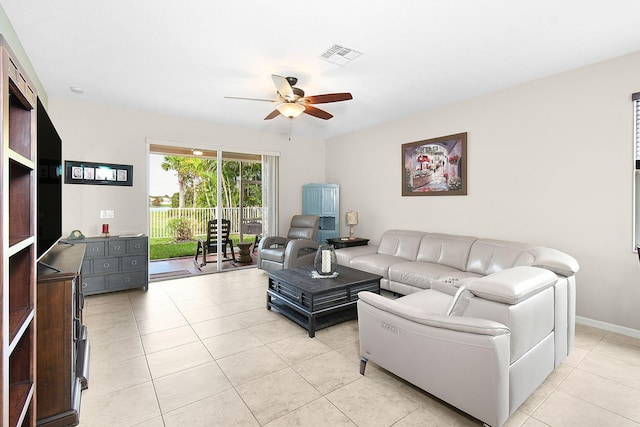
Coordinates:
345	242
318	303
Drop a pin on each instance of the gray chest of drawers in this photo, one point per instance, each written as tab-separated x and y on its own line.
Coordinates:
114	264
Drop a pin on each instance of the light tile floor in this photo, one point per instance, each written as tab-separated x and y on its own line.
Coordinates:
204	351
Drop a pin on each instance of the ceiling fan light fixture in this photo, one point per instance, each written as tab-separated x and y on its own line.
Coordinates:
290	109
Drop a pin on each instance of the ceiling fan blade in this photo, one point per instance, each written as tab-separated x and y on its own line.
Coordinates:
251	99
283	87
271	115
316	112
329	97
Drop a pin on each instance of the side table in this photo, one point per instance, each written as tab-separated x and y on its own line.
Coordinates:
345	242
244	252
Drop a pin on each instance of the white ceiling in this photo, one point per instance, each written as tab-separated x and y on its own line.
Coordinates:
183	57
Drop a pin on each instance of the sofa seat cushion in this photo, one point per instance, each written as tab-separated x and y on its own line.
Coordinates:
419	274
451	284
273	254
375	263
428	301
345	255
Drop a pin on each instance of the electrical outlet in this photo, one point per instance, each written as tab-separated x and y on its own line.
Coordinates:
107	214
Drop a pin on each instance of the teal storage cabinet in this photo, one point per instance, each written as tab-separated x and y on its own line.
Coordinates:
323	200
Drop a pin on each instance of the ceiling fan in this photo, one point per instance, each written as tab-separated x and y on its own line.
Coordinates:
292	101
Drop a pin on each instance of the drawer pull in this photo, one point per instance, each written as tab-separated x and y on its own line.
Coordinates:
84	285
134	262
137	245
127	279
117	248
95	249
106	265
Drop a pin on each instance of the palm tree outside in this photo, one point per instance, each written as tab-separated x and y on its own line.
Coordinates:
185	170
197	195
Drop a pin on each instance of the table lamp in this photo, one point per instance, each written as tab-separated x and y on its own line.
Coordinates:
352	219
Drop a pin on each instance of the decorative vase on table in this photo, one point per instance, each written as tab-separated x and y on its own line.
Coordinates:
325	262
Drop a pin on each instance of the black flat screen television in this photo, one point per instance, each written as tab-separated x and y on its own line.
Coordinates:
49	183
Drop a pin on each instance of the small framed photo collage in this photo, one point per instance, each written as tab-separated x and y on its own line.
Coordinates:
97	173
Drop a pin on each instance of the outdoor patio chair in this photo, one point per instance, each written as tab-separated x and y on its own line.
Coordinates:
210	245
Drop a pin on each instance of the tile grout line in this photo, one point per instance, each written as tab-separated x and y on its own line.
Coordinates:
153	383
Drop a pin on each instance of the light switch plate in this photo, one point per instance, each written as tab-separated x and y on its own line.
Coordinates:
107	214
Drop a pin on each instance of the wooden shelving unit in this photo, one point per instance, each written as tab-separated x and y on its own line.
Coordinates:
18	256
62	341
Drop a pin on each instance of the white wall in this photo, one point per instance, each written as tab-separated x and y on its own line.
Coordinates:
12	40
99	133
550	163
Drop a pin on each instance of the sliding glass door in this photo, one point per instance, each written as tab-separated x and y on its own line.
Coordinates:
212	186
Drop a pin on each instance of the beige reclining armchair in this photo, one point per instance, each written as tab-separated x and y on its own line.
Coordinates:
297	249
484	349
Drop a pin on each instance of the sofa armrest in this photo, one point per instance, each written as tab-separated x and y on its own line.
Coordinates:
555	260
270	241
513	285
445	287
300	252
456	323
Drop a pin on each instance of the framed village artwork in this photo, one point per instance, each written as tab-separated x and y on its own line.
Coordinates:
435	167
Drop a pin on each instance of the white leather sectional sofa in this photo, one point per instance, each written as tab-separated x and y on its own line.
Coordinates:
482	323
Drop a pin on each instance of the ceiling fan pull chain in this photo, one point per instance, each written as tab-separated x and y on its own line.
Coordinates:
290	127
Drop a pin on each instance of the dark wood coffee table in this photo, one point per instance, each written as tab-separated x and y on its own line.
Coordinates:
317	303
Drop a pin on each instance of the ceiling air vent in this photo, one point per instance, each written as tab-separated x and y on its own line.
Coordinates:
340	55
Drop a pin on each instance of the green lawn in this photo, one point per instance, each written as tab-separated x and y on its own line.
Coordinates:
163	248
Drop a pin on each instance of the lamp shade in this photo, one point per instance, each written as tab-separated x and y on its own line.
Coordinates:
290	109
352	218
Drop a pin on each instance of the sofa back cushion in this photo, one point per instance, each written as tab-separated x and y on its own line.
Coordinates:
445	249
401	243
304	227
491	256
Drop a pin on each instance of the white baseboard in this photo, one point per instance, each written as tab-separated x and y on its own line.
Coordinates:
608	327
